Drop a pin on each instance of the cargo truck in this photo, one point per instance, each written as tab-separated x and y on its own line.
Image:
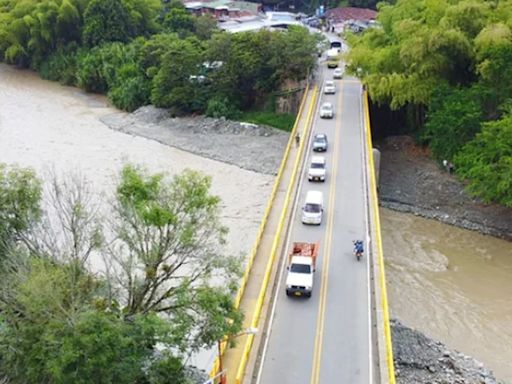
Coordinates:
301	266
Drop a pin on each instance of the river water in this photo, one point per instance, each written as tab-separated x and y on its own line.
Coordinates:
452	284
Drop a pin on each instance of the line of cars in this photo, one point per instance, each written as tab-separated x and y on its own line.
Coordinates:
302	257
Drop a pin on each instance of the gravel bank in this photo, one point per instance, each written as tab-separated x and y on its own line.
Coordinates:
248	146
410	181
419	359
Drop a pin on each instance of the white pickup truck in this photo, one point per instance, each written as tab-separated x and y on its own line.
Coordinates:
301	266
317	169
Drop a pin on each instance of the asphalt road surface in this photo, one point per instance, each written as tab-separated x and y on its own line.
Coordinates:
326	338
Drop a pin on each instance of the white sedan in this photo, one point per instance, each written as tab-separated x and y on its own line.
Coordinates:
338	73
326	111
329	87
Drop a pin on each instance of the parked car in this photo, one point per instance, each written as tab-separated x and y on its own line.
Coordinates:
320	142
326	111
329	87
338	73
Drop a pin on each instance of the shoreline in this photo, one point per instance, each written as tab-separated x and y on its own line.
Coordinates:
412	182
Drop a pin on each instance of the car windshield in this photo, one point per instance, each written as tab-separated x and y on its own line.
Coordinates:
317	165
329	83
312	208
300	268
319	140
326	108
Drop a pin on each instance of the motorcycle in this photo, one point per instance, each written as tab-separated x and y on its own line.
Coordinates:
358	249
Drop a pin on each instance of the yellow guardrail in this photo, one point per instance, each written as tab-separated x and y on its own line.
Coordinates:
263	290
378	241
254	250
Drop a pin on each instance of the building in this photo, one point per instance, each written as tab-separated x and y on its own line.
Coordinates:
269	20
223	9
356	19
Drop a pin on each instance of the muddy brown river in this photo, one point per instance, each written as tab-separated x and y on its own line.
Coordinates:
454	285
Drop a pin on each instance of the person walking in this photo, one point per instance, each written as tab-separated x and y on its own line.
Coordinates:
297	139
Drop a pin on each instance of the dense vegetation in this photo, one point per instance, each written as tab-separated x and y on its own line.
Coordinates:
446	65
124	299
142	51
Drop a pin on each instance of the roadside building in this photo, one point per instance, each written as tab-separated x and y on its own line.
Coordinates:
355	19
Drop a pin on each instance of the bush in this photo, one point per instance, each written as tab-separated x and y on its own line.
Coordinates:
486	162
132	88
61	66
454	119
89	73
221	107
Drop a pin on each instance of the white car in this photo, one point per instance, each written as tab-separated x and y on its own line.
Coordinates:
317	169
338	73
326	111
329	87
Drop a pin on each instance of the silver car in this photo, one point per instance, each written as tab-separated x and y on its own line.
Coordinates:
320	142
329	87
338	73
326	111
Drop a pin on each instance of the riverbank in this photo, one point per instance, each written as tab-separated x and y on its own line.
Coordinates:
410	181
419	359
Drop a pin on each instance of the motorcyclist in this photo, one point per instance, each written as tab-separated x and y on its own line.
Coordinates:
358	247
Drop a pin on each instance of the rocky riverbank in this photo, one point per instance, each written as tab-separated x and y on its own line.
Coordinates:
248	146
419	359
410	181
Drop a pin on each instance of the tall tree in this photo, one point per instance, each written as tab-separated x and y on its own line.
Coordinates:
20	194
168	257
486	162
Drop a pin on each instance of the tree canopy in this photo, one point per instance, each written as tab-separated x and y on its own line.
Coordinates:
166	288
449	63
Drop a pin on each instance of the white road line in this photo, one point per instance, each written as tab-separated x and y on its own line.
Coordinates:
287	245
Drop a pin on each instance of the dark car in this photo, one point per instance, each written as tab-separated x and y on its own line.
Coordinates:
320	142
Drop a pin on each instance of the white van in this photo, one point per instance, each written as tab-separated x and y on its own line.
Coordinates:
313	208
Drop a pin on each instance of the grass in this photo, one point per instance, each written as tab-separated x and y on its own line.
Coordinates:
282	121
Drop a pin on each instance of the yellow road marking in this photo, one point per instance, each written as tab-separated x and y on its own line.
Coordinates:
317	355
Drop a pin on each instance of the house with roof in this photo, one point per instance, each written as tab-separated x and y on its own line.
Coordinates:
269	20
223	9
356	19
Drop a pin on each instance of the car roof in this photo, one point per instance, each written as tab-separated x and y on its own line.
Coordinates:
320	136
318	159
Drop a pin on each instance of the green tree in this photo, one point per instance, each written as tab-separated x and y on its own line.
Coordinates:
30	30
106	21
453	120
54	330
169	232
205	26
172	86
486	162
20	195
178	19
420	45
494	54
